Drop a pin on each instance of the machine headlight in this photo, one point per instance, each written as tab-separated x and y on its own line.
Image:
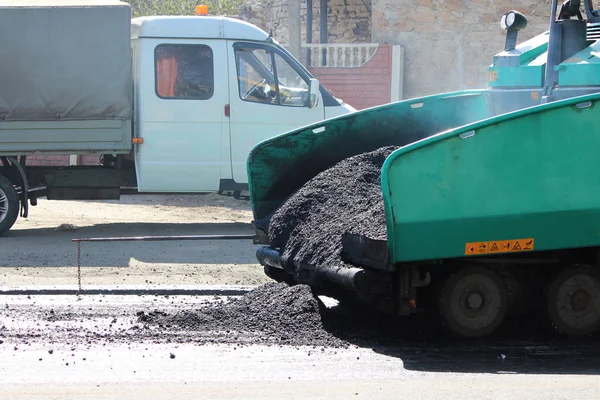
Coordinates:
510	19
513	20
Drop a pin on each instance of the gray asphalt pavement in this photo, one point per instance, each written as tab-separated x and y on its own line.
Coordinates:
85	347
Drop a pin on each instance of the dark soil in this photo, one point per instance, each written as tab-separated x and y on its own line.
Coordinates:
272	313
347	197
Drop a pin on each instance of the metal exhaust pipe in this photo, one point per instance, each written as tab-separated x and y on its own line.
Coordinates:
344	277
348	278
353	279
268	256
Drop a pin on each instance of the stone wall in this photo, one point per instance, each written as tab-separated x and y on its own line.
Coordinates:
449	44
349	20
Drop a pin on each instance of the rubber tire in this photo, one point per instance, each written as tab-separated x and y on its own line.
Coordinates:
445	307
552	292
13	205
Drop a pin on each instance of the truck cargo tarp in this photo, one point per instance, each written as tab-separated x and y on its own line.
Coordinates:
65	60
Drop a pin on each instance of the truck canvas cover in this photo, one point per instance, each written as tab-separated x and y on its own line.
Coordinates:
65	60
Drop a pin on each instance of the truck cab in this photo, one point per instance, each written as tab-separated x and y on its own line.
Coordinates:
206	91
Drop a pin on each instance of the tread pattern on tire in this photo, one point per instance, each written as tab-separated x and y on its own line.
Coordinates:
13	205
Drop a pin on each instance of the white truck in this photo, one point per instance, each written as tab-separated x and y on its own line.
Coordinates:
170	104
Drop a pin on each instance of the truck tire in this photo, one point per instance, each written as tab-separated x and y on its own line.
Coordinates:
9	205
474	302
573	301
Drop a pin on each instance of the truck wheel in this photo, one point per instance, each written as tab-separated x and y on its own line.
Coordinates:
9	205
474	302
573	301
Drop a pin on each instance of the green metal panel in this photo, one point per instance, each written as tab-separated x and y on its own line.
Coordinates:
526	76
523	66
279	166
582	69
526	51
532	173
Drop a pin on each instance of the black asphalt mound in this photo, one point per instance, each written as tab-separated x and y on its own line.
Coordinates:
347	197
271	313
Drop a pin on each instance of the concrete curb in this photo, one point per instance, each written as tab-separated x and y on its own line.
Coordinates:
203	290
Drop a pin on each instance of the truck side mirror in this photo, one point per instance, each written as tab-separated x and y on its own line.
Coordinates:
313	93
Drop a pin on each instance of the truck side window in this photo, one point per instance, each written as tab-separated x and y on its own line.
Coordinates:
293	88
256	76
266	77
184	71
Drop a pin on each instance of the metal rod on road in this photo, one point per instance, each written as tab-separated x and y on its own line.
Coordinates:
163	238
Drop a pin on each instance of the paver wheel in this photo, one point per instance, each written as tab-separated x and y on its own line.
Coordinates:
9	205
573	301
474	302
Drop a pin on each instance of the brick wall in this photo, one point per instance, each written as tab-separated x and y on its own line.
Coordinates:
60	161
362	87
449	44
48	160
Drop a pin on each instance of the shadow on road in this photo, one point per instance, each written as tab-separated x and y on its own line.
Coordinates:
135	229
525	345
50	248
193	200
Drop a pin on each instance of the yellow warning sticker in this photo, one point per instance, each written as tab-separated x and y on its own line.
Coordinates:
476	248
499	246
493	76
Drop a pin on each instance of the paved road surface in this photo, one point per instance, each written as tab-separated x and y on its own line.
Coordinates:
95	356
255	372
115	367
36	253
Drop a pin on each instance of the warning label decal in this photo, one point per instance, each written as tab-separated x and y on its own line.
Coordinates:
499	246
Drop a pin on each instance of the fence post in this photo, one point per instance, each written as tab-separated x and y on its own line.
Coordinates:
294	28
397	72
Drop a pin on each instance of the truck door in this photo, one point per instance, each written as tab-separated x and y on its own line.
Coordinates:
182	89
268	95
